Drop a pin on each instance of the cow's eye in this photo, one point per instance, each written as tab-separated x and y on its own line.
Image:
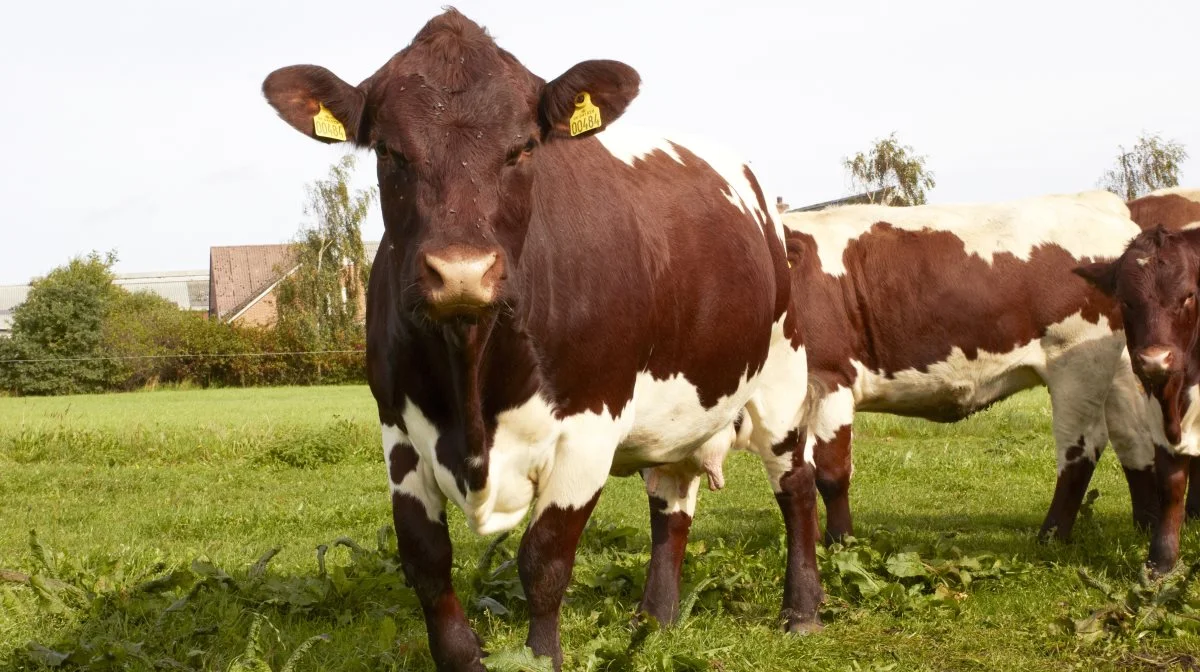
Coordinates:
384	152
520	153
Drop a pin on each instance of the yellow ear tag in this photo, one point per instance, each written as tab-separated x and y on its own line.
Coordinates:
586	116
325	125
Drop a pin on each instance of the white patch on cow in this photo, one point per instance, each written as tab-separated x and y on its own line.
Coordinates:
678	488
1090	224
424	437
1126	416
777	406
523	443
1190	193
969	384
835	411
1189	424
631	144
582	459
1142	261
416	483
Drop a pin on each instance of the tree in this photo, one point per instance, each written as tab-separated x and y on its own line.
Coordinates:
318	301
59	327
1153	163
890	172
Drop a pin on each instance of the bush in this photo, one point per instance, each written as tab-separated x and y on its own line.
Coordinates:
79	333
59	329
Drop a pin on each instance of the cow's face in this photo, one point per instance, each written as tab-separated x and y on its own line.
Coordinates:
1155	281
456	124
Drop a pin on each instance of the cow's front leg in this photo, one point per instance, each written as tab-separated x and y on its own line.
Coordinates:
545	561
423	540
672	504
792	475
1172	471
567	492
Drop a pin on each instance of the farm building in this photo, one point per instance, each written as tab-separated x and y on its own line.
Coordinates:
881	196
243	280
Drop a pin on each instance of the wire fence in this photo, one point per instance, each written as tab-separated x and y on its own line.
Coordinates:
193	355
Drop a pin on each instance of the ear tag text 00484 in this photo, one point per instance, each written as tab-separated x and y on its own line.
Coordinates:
325	125
586	116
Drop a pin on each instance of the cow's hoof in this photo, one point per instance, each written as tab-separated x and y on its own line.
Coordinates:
796	623
805	628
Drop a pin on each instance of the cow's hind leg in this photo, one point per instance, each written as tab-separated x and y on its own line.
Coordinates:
1079	381
423	541
672	504
831	433
1125	416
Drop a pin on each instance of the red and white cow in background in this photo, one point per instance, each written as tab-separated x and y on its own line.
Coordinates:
938	311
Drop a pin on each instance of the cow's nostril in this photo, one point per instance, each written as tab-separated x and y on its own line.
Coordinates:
432	272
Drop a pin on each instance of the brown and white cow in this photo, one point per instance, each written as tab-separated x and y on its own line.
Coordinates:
938	311
554	300
1155	281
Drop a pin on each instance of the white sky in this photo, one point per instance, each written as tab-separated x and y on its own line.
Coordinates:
140	126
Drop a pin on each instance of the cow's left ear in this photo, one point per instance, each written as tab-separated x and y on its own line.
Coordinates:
1100	274
587	98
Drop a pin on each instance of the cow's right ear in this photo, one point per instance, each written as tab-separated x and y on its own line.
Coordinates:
316	102
1100	274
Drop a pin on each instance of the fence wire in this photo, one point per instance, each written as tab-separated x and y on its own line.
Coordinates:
193	355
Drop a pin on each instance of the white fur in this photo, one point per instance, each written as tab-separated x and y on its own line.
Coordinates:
1091	224
973	383
777	406
1127	418
1189	425
1190	193
415	483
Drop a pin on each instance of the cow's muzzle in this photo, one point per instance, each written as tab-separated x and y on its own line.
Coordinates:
461	281
1157	362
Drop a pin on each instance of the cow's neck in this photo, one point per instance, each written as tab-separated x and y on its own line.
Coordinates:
490	368
468	350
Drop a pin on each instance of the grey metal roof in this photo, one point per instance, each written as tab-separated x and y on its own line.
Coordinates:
12	296
174	286
878	196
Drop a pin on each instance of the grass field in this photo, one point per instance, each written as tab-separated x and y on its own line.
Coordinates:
151	510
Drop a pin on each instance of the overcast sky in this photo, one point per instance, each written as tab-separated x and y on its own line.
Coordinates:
140	126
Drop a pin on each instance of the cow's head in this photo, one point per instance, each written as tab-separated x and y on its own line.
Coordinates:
456	123
1155	281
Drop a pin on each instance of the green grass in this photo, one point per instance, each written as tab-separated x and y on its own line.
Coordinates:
124	488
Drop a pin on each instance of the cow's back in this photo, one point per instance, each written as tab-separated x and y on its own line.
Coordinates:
1175	208
948	306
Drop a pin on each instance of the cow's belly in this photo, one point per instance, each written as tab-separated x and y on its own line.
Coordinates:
670	424
952	389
